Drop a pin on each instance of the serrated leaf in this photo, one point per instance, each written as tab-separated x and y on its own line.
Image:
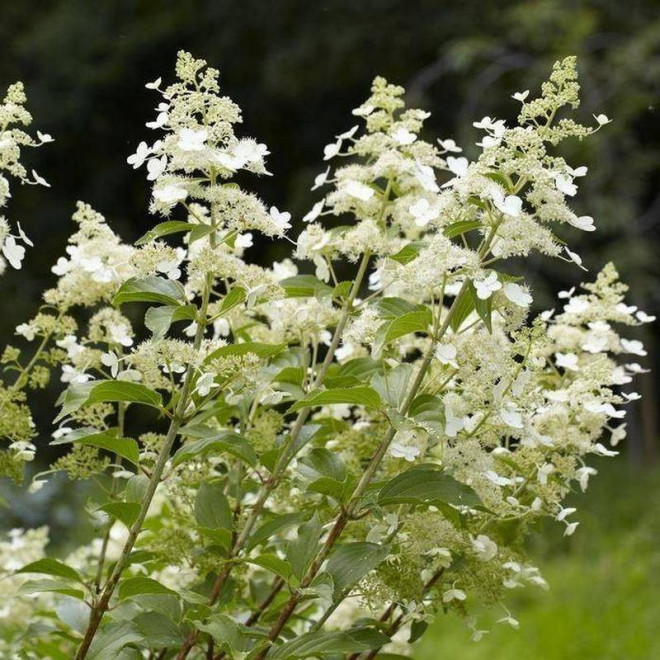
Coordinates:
427	485
150	288
350	562
165	229
359	396
48	566
137	586
212	508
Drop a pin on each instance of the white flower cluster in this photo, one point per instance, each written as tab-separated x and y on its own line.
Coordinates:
199	151
12	115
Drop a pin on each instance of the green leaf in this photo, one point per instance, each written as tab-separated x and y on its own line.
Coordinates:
323	463
349	563
217	536
500	178
391	308
417	629
334	382
227	441
462	308
165	229
418	321
342	289
225	632
398	325
429	411
272	563
272	527
200	230
460	227
51	586
235	297
112	639
393	384
359	396
339	490
484	308
290	376
320	644
305	286
302	550
125	447
259	349
159	629
73	398
361	368
159	319
87	394
427	485
408	252
49	566
111	391
212	508
126	512
150	289
137	586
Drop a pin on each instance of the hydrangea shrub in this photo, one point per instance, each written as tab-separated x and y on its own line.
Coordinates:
324	465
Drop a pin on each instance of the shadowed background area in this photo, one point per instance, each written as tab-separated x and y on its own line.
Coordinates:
297	68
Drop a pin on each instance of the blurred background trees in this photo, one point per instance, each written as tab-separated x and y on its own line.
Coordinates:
297	68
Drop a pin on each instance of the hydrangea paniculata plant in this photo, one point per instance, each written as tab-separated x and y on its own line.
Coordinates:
329	463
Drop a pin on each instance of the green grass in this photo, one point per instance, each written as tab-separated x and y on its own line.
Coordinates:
604	598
